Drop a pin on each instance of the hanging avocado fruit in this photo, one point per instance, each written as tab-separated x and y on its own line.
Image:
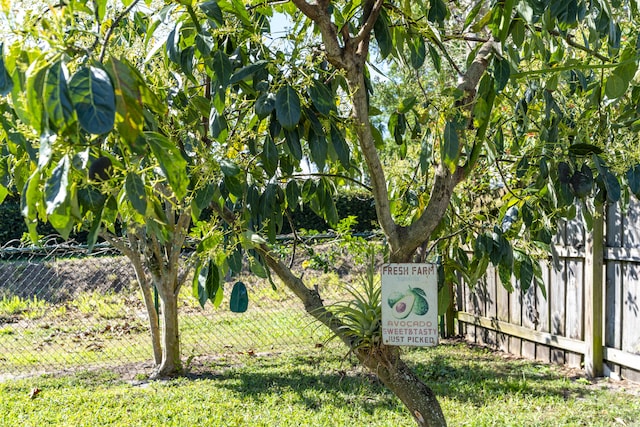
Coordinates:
413	301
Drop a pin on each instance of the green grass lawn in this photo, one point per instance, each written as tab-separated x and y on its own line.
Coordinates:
322	387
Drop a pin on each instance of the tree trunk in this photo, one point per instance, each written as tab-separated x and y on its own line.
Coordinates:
154	322
170	364
131	251
419	399
383	360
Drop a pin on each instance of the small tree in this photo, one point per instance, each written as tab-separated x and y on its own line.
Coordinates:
244	113
94	137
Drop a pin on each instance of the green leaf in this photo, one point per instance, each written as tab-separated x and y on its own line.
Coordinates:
377	137
199	289
218	126
502	73
607	181
100	9
212	283
288	109
257	268
204	196
322	98
407	104
173	44
397	126
564	172
435	58
213	11
444	300
247	71
205	42
57	101
417	51
6	82
292	138
318	148
615	87
134	186
265	104
35	78
235	185
504	272
269	156
451	145
292	192
612	186
129	118
584	149
518	32
437	11
239	299
56	187
93	99
222	67
229	168
91	199
171	162
3	193
235	260
526	273
382	33
94	231
633	179
340	146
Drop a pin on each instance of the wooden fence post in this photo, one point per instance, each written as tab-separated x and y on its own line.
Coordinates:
593	302
450	314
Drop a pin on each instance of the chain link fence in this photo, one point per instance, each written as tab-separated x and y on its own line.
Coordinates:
64	309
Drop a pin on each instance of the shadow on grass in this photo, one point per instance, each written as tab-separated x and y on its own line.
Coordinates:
455	371
484	376
315	381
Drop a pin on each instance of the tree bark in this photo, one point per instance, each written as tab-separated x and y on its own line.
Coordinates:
394	373
170	364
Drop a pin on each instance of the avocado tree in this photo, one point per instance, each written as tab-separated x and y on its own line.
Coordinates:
527	104
94	138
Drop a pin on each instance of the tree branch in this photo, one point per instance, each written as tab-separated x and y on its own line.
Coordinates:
370	154
319	14
569	39
445	181
114	25
331	175
365	31
469	81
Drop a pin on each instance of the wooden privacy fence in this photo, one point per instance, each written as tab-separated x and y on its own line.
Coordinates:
587	316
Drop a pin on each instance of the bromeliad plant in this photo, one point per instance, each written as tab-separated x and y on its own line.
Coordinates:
361	316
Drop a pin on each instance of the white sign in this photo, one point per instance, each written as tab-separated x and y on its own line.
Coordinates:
410	304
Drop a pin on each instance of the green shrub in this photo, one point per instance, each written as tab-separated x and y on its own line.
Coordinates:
360	205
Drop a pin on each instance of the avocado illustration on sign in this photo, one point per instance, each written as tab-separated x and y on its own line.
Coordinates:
413	300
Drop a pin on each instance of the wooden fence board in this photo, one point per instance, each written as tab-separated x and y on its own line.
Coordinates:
542	303
529	320
515	318
490	306
631	309
561	324
574	307
557	304
630	228
502	312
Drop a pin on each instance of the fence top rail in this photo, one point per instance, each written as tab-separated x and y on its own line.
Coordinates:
52	247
